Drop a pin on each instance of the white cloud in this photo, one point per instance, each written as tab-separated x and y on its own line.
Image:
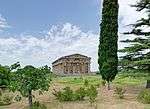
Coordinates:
3	23
59	41
127	15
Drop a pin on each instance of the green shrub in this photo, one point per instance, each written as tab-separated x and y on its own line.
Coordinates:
144	96
69	95
92	94
86	83
120	92
17	98
65	95
80	94
37	105
103	82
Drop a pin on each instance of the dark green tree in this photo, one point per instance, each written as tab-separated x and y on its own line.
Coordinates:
108	47
29	79
137	55
5	74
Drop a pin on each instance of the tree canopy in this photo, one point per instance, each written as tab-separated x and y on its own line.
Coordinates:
137	55
108	47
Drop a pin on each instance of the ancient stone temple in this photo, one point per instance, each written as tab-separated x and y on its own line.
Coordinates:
75	64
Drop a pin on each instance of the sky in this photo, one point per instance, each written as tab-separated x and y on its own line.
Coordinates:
37	32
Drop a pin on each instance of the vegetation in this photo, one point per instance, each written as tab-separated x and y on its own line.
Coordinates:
138	55
5	74
38	105
103	82
144	96
120	92
108	47
67	94
80	94
92	94
28	79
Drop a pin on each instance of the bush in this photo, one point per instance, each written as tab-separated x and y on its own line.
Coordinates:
103	82
65	95
37	105
120	92
17	98
144	96
92	94
80	94
86	83
69	95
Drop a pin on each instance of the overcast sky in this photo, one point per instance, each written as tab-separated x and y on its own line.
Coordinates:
38	32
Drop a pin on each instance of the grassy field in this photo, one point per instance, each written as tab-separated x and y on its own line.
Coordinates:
105	100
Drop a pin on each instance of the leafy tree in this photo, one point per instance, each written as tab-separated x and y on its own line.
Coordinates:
28	79
137	55
108	59
5	72
4	76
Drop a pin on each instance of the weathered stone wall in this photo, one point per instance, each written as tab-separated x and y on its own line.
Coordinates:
72	65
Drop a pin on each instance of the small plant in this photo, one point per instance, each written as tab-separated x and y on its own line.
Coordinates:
80	94
37	105
97	85
120	92
17	98
86	83
92	94
65	95
103	83
69	95
144	96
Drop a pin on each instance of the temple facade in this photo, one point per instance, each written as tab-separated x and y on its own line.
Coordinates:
75	64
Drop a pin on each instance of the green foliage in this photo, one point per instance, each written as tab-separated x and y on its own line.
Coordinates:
31	78
135	58
4	76
38	105
107	53
28	79
80	94
103	82
137	55
17	98
65	95
120	92
144	96
92	94
86	83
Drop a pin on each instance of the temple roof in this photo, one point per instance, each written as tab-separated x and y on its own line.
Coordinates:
71	56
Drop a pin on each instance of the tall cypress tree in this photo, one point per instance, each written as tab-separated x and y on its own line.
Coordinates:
108	59
137	56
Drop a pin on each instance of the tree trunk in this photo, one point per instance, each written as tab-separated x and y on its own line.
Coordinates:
30	98
108	85
148	84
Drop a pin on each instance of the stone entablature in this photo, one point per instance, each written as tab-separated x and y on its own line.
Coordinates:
75	64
